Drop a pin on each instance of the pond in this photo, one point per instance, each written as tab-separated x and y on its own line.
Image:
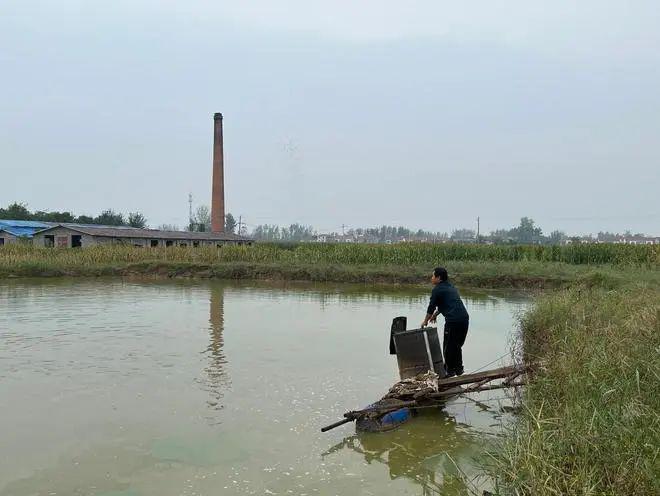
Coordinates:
116	387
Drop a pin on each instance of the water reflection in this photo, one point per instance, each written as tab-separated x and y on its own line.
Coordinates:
434	451
216	370
327	294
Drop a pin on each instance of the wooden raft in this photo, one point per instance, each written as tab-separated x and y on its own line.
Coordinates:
446	388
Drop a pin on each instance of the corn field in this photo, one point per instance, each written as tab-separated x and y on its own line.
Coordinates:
409	254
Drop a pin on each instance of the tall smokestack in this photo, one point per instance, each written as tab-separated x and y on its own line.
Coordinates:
218	193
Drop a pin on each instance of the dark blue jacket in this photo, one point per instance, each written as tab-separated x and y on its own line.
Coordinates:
446	299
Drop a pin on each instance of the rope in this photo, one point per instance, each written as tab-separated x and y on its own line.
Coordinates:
490	363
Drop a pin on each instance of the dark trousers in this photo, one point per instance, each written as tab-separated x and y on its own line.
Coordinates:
454	338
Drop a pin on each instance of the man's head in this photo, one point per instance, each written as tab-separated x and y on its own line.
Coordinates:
439	275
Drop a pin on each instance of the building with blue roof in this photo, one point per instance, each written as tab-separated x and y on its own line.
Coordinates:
15	230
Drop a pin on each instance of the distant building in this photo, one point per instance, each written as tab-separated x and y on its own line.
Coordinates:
579	240
65	235
7	237
12	231
637	240
70	235
619	240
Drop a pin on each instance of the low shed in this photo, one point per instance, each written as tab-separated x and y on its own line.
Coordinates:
6	237
73	236
12	231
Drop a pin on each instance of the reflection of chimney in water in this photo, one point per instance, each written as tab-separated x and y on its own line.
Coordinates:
218	380
216	318
218	189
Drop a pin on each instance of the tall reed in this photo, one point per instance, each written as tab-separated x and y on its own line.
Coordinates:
591	417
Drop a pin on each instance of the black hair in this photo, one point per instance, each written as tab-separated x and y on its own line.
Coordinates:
441	272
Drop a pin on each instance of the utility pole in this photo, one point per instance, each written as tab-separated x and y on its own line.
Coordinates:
240	223
343	226
478	229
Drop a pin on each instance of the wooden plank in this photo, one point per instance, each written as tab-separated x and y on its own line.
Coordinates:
487	387
478	376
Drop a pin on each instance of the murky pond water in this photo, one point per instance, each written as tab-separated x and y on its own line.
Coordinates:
139	388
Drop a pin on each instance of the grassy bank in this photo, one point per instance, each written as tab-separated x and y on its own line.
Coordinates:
476	266
591	418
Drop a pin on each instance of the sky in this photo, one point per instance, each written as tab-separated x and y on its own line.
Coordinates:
426	114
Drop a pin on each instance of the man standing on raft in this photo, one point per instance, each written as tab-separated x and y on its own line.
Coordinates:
445	300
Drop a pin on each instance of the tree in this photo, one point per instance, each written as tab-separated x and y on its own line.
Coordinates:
463	235
266	232
556	237
201	220
500	236
526	232
167	227
84	219
297	232
110	218
136	219
230	223
16	211
53	216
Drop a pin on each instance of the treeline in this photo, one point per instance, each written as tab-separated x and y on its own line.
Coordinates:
395	233
300	232
294	232
19	211
525	233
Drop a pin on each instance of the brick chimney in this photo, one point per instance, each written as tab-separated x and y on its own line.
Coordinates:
218	192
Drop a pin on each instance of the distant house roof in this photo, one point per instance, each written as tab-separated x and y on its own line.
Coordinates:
132	232
25	228
94	226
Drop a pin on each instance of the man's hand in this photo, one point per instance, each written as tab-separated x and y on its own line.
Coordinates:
425	322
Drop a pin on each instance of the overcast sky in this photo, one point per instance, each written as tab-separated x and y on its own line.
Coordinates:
419	113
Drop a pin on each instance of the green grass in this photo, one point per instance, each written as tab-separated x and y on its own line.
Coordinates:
591	418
